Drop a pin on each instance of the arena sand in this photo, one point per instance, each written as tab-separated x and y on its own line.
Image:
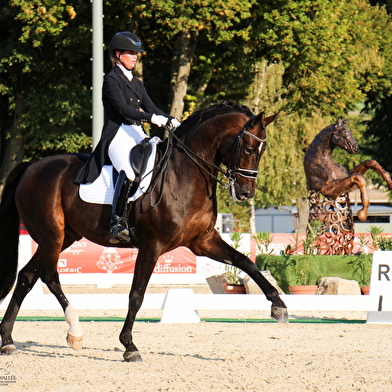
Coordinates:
208	356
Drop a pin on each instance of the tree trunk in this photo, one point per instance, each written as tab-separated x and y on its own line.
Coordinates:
252	217
303	215
13	146
184	51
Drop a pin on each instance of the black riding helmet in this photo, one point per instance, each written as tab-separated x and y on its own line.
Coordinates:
125	40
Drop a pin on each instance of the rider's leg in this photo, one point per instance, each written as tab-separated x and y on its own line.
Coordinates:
126	138
118	226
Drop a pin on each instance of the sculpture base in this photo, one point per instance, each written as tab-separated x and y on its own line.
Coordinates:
336	227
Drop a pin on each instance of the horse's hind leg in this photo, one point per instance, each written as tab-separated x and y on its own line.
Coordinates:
42	264
27	277
50	277
374	165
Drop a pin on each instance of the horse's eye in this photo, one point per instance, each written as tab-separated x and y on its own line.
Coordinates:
248	150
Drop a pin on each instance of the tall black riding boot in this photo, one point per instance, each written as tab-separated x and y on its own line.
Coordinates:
119	231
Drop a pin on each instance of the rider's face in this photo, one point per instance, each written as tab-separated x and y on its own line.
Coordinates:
128	58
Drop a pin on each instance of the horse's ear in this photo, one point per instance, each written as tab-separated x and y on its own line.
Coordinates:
268	120
341	122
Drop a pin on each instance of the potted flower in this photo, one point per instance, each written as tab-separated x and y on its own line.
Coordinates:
234	283
363	268
302	273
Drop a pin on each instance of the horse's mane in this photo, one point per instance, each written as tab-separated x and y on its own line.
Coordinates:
213	111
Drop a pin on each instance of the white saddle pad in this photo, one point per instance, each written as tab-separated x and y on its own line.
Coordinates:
101	191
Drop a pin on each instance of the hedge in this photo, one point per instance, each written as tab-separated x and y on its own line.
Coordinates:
294	270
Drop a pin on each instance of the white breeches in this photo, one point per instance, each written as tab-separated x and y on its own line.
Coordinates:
126	138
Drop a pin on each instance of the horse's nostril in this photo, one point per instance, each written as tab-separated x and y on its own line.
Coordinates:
245	196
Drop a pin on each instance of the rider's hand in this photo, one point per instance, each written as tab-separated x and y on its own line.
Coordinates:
174	122
159	120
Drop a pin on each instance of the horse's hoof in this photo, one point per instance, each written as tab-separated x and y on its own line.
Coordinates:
279	314
133	356
362	215
75	342
9	349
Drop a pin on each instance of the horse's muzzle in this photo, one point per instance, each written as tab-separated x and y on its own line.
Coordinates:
243	192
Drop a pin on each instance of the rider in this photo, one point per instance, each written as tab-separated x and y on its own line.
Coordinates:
123	96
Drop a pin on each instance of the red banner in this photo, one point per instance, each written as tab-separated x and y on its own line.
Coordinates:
87	257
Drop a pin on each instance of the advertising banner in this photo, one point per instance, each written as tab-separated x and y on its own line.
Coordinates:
85	257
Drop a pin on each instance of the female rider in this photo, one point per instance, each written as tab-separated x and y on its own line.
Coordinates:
123	96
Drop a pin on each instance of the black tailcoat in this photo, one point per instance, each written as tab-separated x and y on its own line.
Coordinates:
122	101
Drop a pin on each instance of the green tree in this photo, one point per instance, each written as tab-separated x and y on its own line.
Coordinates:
330	56
186	22
42	90
378	104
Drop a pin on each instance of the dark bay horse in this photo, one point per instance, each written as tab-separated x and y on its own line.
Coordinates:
43	196
331	179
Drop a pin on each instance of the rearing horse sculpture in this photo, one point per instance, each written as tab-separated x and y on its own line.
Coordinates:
331	179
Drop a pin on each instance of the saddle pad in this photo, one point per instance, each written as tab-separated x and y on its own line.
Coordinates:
101	191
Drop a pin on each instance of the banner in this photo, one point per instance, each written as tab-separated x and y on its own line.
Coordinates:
85	257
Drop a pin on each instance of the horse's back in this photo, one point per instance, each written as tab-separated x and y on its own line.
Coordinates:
55	166
44	180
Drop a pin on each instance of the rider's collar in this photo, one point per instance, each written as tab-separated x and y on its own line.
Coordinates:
126	72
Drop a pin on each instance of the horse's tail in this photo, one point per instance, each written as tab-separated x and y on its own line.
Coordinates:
9	231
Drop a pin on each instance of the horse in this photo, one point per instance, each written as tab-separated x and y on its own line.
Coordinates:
179	209
331	179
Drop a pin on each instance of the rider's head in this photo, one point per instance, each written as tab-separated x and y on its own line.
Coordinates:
124	41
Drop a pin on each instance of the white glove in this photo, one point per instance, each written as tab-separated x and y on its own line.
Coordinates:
159	120
175	123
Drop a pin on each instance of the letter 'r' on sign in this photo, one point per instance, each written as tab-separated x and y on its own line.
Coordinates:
381	289
383	270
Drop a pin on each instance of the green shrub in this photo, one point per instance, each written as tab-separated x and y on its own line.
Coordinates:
290	270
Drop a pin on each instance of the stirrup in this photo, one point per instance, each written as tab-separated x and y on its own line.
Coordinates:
119	232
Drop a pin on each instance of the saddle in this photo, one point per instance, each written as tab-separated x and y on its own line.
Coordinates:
139	157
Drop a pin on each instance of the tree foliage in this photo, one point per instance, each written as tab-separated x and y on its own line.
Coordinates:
312	60
44	95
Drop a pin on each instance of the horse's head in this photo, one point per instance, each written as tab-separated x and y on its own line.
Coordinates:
343	138
243	157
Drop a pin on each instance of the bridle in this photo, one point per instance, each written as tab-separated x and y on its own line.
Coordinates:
236	146
232	170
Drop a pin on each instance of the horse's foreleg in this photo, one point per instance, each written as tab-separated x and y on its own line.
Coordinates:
144	267
219	250
374	165
27	277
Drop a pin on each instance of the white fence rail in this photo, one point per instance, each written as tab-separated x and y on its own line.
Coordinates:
181	305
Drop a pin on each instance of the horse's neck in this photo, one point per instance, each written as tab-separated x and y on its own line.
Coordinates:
202	140
321	147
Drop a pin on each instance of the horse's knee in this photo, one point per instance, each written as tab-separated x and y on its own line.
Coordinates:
362	214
